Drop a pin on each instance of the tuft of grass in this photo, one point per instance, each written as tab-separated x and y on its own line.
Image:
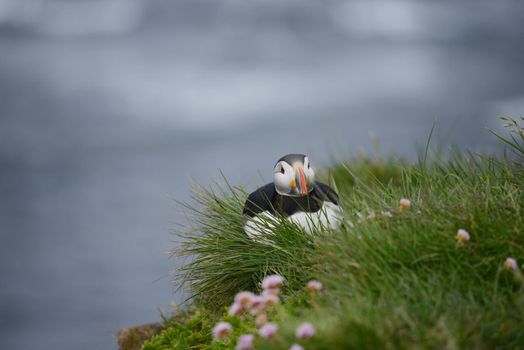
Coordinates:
405	281
393	279
225	260
515	139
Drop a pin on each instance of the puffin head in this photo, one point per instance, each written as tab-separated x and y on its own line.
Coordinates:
293	175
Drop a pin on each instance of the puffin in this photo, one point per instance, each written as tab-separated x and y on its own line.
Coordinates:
294	195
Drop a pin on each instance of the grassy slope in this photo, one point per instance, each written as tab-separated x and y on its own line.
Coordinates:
391	282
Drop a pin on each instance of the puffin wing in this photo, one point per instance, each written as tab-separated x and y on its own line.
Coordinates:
326	193
257	210
260	201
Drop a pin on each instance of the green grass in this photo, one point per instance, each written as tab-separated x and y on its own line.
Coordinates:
390	282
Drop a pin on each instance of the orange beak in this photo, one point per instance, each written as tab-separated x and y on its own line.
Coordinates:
301	180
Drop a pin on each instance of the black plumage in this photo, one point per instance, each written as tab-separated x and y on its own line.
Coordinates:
267	199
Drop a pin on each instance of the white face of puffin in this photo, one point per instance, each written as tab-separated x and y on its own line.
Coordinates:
295	179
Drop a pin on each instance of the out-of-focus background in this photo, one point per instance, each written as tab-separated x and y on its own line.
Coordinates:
109	107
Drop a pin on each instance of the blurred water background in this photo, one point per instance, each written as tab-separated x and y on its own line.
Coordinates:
109	107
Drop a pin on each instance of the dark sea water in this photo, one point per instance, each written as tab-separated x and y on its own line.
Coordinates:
105	120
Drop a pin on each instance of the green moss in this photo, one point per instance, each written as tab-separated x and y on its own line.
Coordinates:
192	330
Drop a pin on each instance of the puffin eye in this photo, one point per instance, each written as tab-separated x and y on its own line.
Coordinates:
282	171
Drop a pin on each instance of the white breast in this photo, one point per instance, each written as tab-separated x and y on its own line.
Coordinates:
260	226
328	217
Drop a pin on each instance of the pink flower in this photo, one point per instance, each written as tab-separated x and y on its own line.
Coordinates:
245	342
270	300
462	235
305	331
261	320
243	298
404	204
272	291
510	264
296	347
256	304
221	330
268	330
314	286
236	309
273	281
